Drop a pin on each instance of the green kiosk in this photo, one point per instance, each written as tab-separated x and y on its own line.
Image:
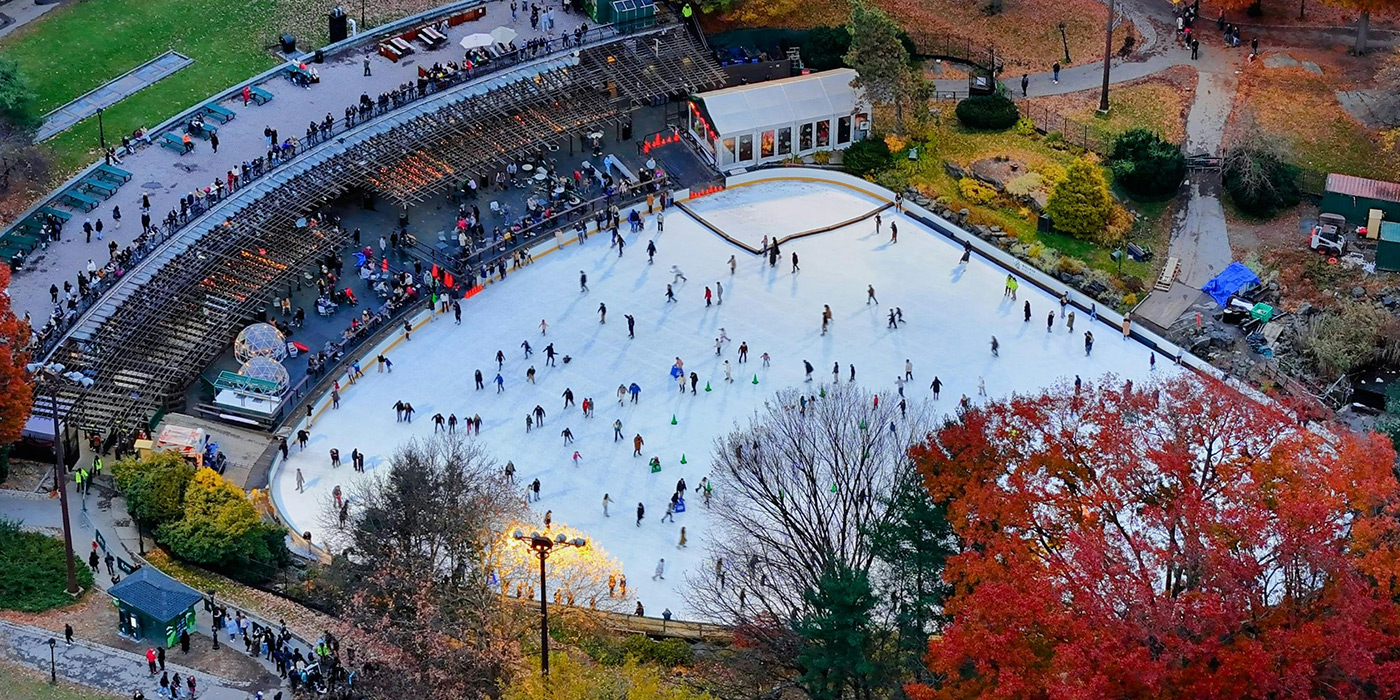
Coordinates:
154	607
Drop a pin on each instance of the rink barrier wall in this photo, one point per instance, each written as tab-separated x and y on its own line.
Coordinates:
1003	259
790	237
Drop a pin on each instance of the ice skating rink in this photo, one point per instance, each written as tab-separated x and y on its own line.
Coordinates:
950	314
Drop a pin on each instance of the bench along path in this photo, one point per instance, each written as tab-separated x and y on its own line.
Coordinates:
167	176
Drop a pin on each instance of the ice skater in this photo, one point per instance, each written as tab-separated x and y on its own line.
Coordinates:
996	346
528	350
728	372
568	397
836	373
543	327
606	500
641	512
1027	308
908	369
670	295
744	351
795	268
660	571
1011	286
637	443
981	386
582	282
1088	343
870	296
479	384
936	386
549	353
966	254
602	313
651	252
500	383
500	359
676	275
1069	322
805	365
732	264
719	293
568	436
893	321
877	224
709	296
894	232
631	325
1050	322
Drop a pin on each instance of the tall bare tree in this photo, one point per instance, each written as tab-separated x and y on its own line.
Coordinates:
415	599
799	490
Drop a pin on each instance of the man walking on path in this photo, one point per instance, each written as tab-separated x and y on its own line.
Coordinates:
367	73
1025	83
1055	72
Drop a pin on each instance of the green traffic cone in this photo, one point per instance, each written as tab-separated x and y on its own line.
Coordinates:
682	458
755	379
822	393
707	386
833	487
655	467
862	424
673	419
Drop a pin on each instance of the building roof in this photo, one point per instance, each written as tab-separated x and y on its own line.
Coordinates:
1363	187
777	102
155	594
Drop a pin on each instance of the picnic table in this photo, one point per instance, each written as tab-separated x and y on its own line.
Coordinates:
217	113
259	95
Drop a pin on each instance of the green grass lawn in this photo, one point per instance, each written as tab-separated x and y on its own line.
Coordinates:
98	40
23	684
33	575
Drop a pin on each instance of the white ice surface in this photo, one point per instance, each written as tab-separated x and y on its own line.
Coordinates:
950	313
780	208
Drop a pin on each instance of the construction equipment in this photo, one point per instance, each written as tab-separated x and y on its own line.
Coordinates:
1328	236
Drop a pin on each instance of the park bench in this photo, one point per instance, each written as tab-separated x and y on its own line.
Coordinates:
205	131
426	40
93	185
437	37
111	173
27	241
173	142
403	46
1168	274
259	95
77	200
30	224
55	213
217	113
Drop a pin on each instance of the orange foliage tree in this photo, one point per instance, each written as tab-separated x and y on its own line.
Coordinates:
16	399
1179	541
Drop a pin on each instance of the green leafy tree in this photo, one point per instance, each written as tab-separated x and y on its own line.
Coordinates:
16	97
880	57
1146	164
838	638
867	156
1080	204
222	529
154	487
825	48
914	543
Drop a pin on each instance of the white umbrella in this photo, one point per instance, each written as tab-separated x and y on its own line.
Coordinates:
476	41
503	35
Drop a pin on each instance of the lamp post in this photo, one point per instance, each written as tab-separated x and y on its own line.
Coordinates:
214	619
52	374
542	546
53	662
101	133
1107	56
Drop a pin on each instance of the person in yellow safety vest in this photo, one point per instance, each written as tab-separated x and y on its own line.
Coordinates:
96	467
686	12
79	477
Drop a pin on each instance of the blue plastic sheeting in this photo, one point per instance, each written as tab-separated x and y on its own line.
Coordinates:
1230	280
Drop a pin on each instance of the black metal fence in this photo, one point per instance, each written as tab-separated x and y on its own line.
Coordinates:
1073	132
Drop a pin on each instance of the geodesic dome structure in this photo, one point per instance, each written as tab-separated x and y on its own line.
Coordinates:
260	340
266	369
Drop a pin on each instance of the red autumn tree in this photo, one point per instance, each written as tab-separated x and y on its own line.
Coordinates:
1180	541
15	396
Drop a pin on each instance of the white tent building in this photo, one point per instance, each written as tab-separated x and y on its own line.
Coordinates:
749	125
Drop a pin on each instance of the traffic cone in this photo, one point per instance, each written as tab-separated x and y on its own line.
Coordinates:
682	458
822	393
862	424
707	386
673	419
755	379
833	487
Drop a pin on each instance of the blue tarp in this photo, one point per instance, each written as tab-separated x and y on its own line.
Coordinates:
1230	280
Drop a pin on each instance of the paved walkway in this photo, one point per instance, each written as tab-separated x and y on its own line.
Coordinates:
102	667
112	92
23	12
168	176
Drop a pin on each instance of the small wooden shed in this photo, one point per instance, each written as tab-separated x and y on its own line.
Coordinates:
154	607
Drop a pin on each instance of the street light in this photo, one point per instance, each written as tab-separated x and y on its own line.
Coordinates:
53	374
53	663
101	134
542	545
214	619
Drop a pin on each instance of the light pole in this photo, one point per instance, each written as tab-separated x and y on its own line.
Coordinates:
53	662
214	619
101	133
542	545
1107	56
52	374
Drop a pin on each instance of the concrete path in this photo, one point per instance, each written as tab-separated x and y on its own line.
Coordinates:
103	667
23	12
168	176
1199	237
112	92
